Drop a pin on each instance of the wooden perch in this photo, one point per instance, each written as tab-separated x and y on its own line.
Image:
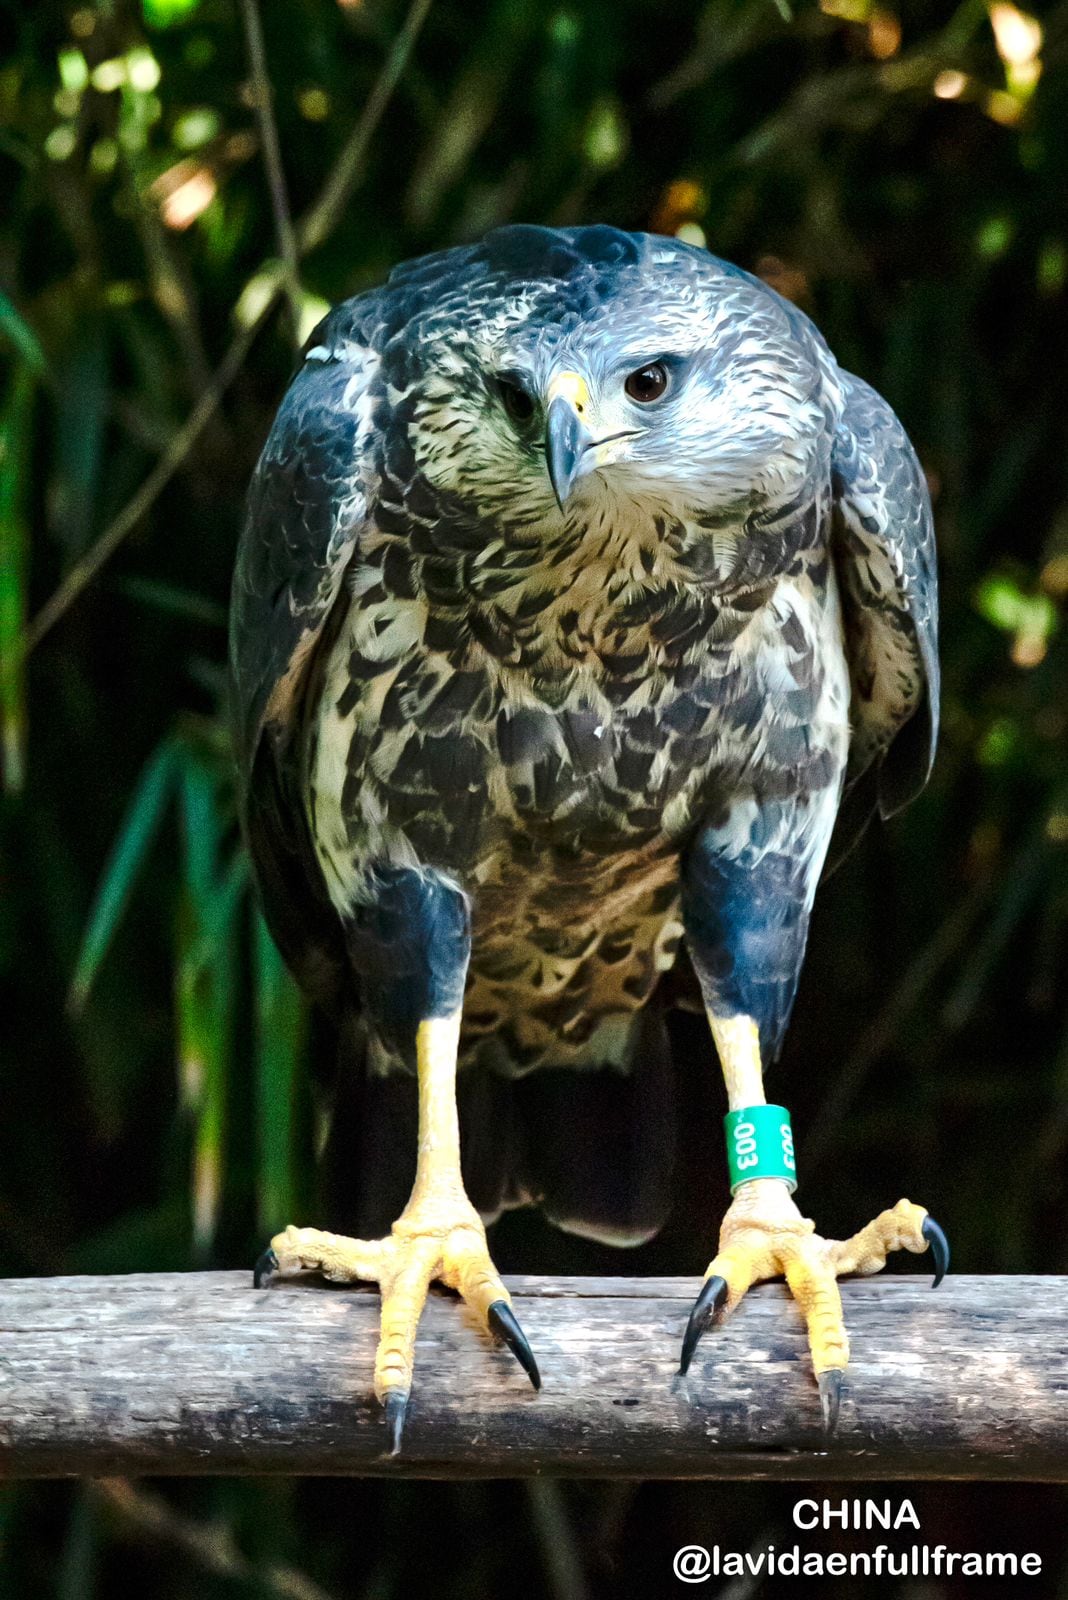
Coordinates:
199	1373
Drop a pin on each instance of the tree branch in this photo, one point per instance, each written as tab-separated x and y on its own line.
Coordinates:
263	97
965	1383
320	220
209	1546
314	228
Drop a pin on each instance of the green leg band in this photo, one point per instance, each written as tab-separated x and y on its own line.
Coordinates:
760	1144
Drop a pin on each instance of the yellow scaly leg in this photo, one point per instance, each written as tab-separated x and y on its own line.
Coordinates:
765	1236
439	1235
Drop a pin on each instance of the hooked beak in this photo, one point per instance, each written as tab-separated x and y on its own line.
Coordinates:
567	437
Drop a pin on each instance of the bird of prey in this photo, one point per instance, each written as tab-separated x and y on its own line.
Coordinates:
579	589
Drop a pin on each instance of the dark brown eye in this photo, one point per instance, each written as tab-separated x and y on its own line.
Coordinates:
648	383
516	401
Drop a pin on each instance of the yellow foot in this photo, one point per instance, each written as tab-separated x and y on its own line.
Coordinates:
446	1242
765	1236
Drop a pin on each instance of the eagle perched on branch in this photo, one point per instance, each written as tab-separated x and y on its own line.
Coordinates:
579	589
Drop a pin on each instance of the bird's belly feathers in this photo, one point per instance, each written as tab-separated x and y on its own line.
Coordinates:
559	809
565	950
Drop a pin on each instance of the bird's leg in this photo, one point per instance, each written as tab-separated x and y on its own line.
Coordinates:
439	1235
748	884
764	1235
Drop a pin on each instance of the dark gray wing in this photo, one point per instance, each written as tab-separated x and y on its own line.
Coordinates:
884	552
306	506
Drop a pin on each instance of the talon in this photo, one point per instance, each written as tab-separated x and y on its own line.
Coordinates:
939	1245
396	1408
712	1298
502	1320
830	1386
267	1266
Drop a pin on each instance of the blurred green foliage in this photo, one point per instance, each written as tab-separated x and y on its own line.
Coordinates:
901	169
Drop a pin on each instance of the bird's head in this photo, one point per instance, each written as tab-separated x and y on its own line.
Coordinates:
569	372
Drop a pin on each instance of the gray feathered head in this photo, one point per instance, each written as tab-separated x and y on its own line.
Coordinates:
550	373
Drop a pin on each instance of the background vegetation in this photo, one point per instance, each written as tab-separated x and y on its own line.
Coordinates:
900	168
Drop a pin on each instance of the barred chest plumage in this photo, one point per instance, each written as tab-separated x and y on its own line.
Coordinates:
553	760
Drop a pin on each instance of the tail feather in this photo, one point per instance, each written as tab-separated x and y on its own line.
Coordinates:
600	1144
594	1148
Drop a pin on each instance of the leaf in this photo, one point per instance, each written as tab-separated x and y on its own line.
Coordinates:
1032	618
204	1002
81	398
176	602
164	13
215	930
128	854
15	434
279	1040
17	330
201	827
79	1556
206	989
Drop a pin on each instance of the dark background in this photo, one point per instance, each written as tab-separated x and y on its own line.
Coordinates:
901	170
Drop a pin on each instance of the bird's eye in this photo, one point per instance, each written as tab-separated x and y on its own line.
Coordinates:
647	383
516	401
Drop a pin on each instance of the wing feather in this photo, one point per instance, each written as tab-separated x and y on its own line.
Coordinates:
305	510
884	551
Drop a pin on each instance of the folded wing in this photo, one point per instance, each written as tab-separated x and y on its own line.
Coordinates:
306	507
884	553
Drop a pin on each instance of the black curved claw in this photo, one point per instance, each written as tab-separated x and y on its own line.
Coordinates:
502	1320
830	1385
939	1248
712	1298
396	1408
265	1269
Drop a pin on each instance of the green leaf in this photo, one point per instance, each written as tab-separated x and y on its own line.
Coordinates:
201	826
15	434
214	937
605	140
176	602
1032	618
999	743
164	13
204	1003
280	1022
999	600
81	400
128	854
994	237
206	987
16	329
79	1556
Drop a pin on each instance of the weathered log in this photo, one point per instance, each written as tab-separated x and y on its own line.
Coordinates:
200	1373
